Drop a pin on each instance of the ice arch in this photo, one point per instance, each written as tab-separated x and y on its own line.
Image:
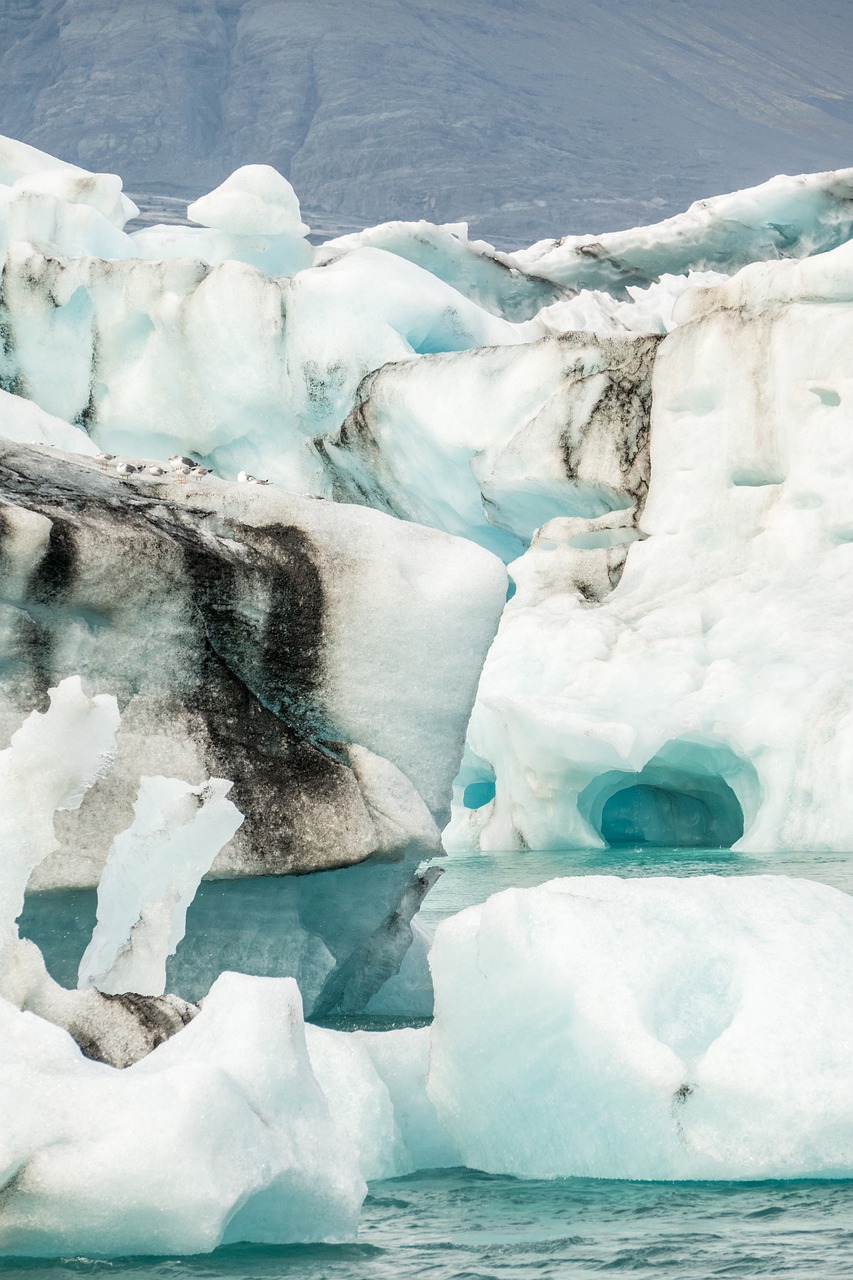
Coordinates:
692	794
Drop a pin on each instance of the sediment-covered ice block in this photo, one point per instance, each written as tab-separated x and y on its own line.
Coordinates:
491	444
649	1028
324	657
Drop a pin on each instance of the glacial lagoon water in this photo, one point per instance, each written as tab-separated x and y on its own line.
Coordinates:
462	1225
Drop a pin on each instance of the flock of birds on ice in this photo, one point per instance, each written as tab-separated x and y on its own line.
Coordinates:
180	466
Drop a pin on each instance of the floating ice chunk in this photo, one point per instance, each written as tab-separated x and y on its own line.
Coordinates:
783	218
27	168
52	761
254	200
359	1102
99	191
252	217
375	1085
221	1135
150	878
648	1028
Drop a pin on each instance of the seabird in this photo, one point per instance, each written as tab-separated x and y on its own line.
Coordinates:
126	469
177	462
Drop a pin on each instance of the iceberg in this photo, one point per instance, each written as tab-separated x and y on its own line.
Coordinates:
700	695
220	1134
490	444
256	504
787	217
653	1028
247	633
150	878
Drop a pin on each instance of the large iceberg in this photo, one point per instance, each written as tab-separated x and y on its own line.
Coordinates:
648	1028
221	1133
706	700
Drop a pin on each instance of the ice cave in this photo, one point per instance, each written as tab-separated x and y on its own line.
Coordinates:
427	714
683	797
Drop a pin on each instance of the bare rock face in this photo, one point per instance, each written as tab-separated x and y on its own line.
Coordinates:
323	657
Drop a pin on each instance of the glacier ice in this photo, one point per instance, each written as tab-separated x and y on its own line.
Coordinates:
787	217
226	1135
221	1134
150	878
247	633
662	457
716	671
649	1028
52	760
491	444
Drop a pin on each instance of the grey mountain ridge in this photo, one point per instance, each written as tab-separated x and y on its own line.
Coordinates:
526	119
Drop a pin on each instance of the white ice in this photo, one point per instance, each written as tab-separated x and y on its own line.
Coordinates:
51	762
787	217
648	1028
221	1134
715	677
152	872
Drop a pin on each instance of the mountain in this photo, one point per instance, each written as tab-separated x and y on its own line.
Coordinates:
525	119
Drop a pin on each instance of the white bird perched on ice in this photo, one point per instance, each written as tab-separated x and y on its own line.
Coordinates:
181	464
156	471
245	477
126	469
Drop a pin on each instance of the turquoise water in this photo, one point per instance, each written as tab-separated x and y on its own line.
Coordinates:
472	878
462	1225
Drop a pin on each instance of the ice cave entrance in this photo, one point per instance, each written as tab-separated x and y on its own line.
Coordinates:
690	795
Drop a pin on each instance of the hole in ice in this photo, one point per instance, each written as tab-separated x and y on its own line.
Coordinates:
478	793
755	477
681	799
826	396
664	816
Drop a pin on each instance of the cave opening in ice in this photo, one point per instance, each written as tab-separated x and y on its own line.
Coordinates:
478	793
691	794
